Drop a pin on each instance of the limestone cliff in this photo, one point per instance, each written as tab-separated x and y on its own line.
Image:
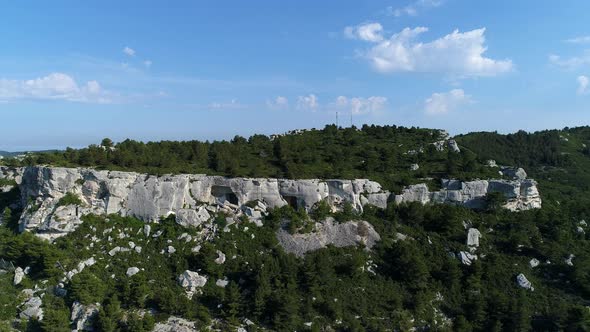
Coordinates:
192	197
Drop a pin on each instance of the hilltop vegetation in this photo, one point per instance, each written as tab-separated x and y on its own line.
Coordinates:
383	154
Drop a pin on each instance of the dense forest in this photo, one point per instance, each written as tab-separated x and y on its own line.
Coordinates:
414	283
380	153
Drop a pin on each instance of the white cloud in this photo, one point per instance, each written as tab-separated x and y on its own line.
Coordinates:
458	53
55	86
129	51
572	62
413	8
147	63
368	32
279	103
444	102
309	102
360	105
582	85
579	40
232	104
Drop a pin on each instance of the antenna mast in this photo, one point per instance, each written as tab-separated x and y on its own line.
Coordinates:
336	119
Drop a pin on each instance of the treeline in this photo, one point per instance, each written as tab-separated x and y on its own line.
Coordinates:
381	153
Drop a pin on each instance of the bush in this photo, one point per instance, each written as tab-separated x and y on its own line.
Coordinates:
69	199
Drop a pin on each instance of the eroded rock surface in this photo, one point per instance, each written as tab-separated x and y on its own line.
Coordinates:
83	316
520	194
194	199
346	234
175	324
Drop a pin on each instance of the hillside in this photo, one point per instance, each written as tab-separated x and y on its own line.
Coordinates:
135	240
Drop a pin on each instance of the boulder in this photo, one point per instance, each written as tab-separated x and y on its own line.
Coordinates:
534	262
516	173
452	144
191	282
220	257
19	274
222	282
132	271
466	258
523	282
329	232
83	316
473	236
31	309
414	167
192	218
175	324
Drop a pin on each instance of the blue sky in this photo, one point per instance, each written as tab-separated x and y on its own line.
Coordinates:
73	72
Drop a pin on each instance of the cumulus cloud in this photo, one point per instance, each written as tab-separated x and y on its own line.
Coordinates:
309	102
147	63
129	51
458	53
368	32
579	40
572	62
444	102
582	85
413	8
360	105
279	103
55	86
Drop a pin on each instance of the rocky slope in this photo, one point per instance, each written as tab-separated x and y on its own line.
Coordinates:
194	198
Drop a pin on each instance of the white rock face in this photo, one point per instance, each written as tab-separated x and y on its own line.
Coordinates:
83	316
569	260
19	274
524	282
175	324
534	263
220	257
150	197
452	144
191	282
346	234
466	258
514	172
222	283
520	194
132	271
192	198
473	236
31	308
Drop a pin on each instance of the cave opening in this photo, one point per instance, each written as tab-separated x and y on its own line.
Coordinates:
224	194
293	201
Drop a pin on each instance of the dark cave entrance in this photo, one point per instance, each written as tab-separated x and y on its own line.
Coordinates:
224	194
293	201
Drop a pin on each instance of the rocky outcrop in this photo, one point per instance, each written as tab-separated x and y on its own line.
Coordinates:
473	236
31	309
194	199
191	282
151	197
523	282
520	194
132	271
326	233
176	324
83	316
19	274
